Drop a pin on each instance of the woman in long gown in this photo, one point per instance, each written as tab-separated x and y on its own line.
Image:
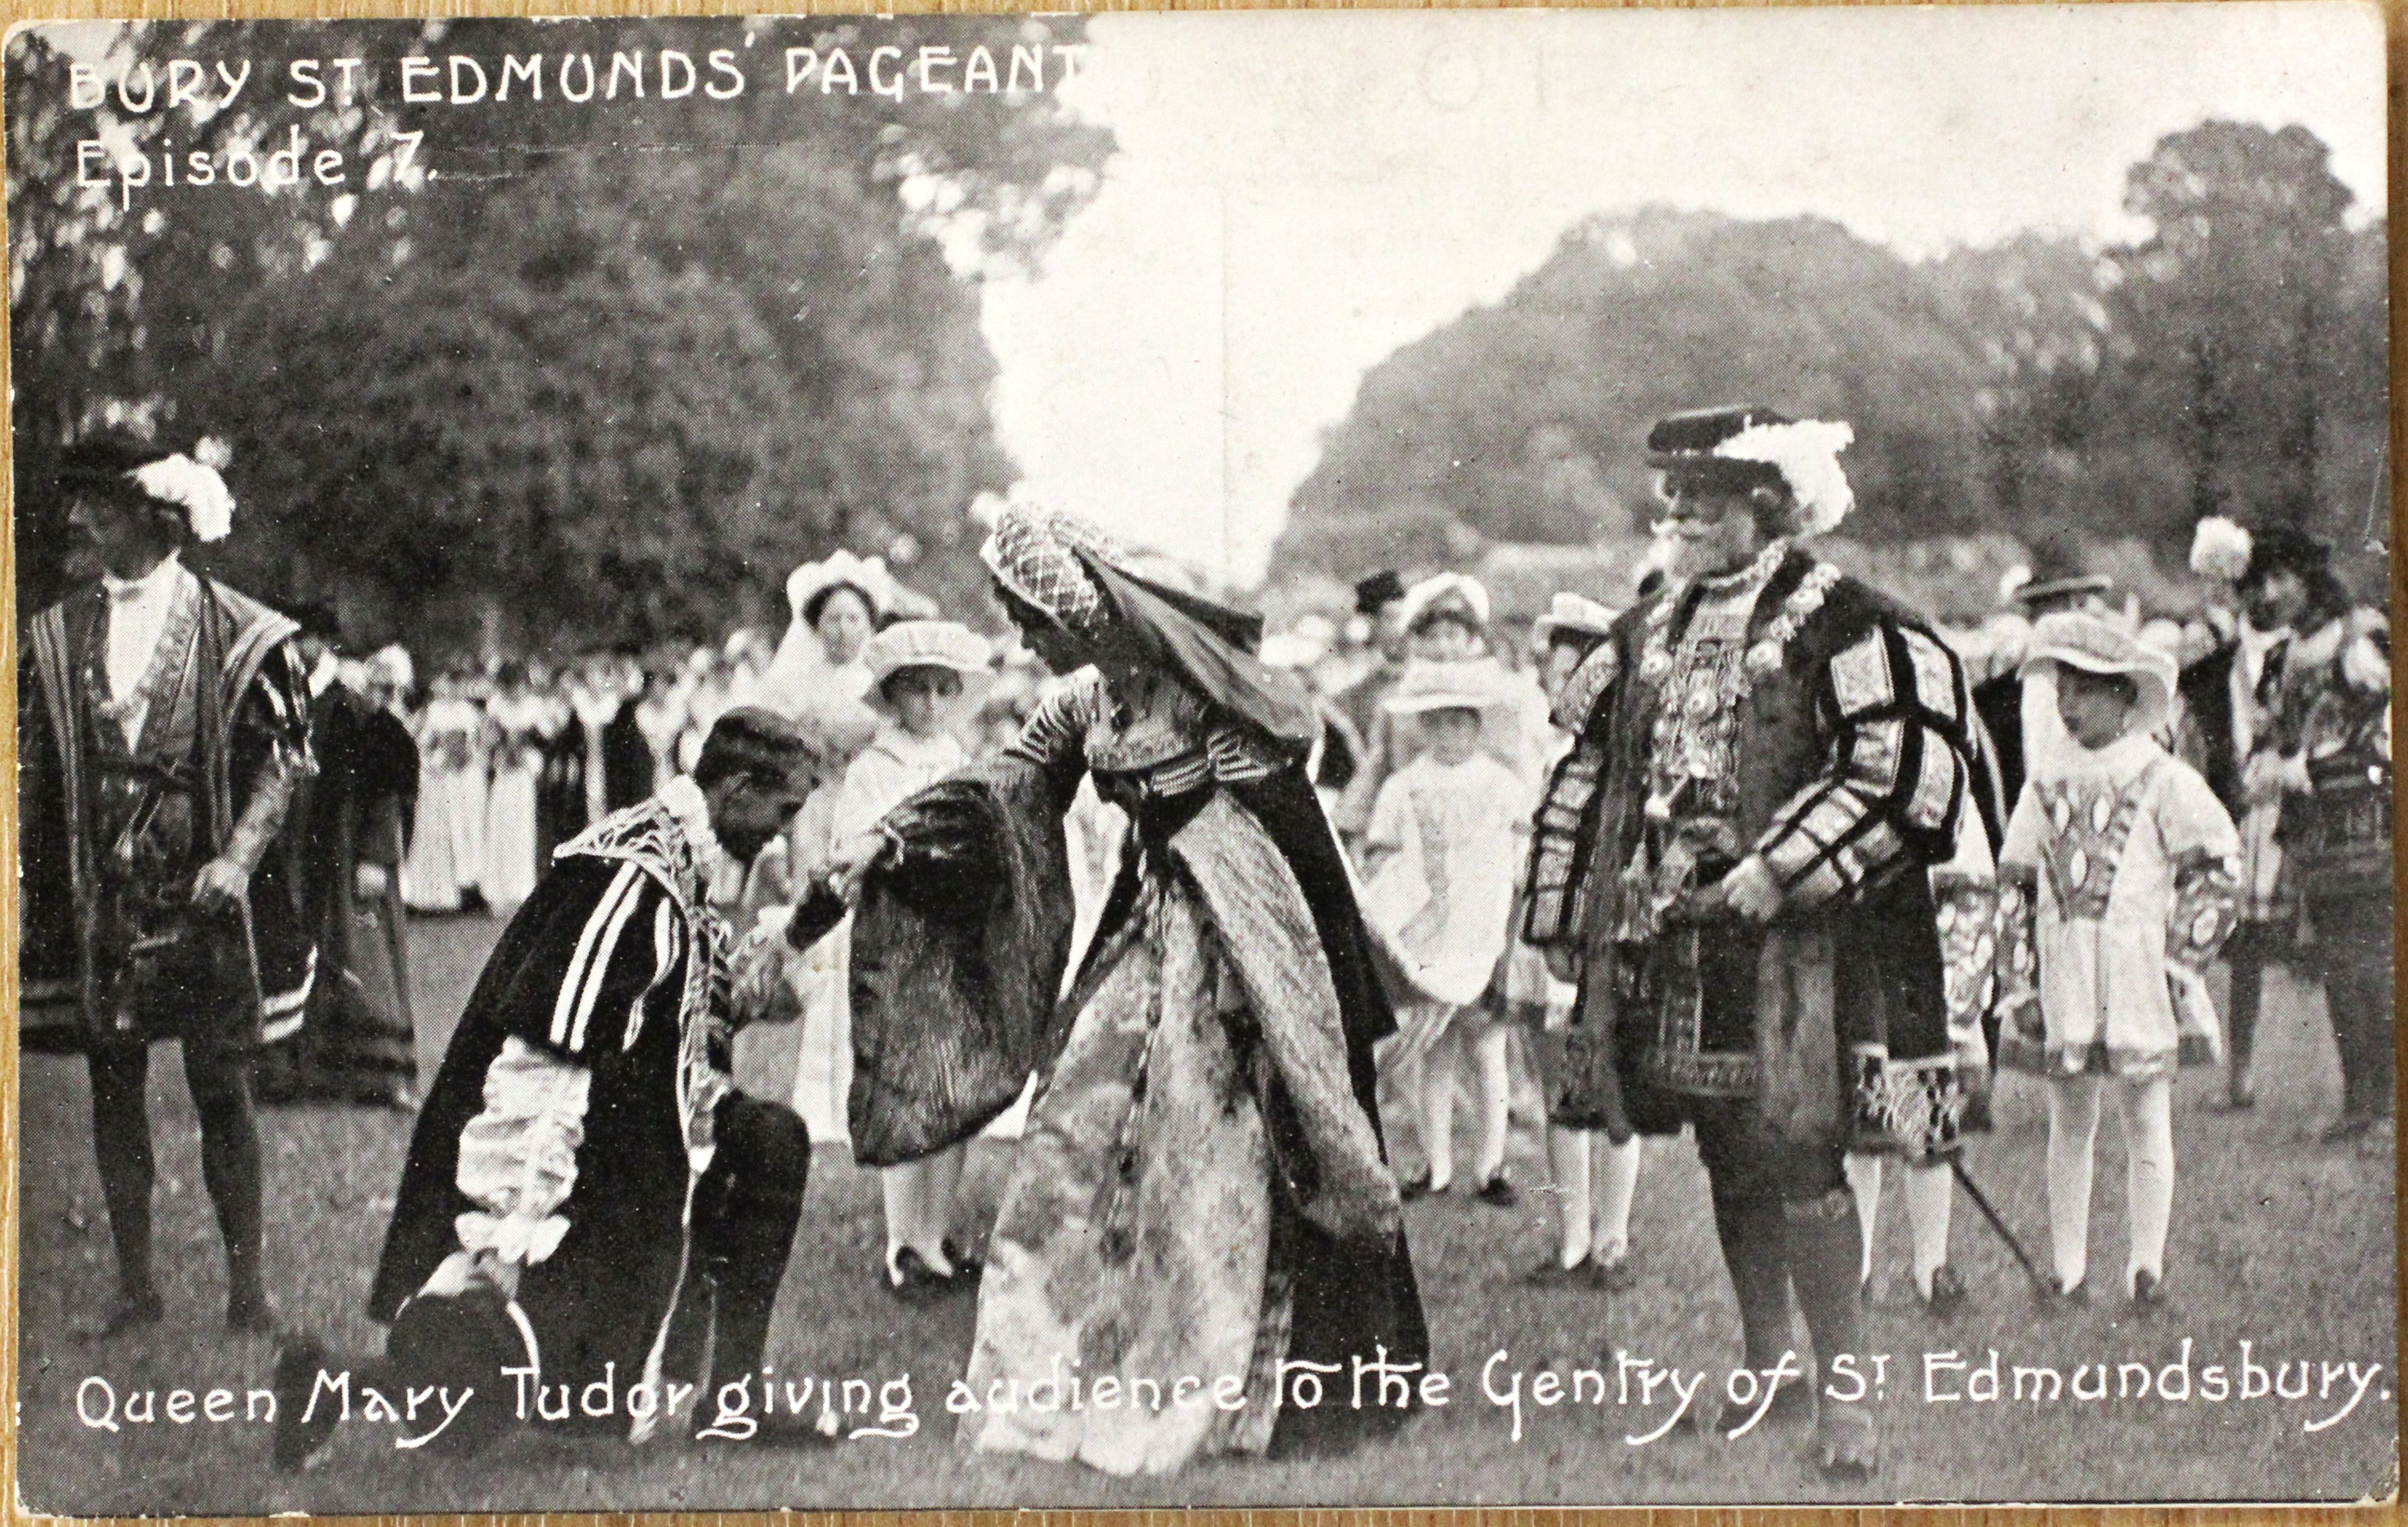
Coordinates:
447	846
521	721
1200	1194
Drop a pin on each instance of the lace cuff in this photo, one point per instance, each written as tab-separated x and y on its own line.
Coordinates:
518	1159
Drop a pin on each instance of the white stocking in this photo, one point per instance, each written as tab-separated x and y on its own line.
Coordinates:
2149	1155
2072	1125
1567	1164
1617	1185
1439	1064
1493	1047
1931	1193
1864	1171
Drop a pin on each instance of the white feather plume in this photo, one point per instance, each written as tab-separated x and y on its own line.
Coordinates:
1806	454
2220	549
195	489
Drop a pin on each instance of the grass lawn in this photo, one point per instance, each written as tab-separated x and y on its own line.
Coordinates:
2277	1241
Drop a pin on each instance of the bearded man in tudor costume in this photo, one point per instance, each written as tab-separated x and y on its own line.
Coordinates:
1772	755
587	1195
162	727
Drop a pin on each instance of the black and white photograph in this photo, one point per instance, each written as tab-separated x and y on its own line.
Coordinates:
1302	758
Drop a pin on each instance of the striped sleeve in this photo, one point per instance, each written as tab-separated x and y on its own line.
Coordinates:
599	956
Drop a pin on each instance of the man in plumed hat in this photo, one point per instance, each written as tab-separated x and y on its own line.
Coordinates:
1767	746
2289	715
162	729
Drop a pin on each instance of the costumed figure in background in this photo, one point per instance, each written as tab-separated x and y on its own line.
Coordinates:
2018	717
1766	743
2116	890
924	675
1439	858
818	676
351	825
522	723
447	846
162	729
2326	758
1200	1188
1595	1176
587	1195
601	761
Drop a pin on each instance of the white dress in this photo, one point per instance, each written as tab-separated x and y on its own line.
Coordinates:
447	844
2104	838
893	767
1444	898
519	724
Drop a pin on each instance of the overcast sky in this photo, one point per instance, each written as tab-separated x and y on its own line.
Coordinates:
1299	193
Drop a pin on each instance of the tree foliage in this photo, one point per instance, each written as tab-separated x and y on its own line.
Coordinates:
585	370
2233	362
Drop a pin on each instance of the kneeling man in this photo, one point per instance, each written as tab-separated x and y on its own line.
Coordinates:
587	1195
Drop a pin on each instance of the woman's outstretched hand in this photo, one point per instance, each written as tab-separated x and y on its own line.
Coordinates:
851	862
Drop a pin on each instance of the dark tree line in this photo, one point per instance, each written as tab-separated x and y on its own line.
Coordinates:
2231	362
606	372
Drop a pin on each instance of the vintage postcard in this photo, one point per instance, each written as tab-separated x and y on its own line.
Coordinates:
1513	758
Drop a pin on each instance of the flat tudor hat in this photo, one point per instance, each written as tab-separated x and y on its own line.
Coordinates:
2073	639
1741	447
1452	592
1472	685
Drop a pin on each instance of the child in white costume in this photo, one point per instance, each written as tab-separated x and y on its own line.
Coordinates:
1443	848
919	671
2116	887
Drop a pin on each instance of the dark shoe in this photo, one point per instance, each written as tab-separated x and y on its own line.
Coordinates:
296	1374
2148	1291
250	1315
1847	1446
1416	1186
1947	1295
968	1269
1500	1192
909	1278
781	1429
131	1312
1615	1276
2057	1297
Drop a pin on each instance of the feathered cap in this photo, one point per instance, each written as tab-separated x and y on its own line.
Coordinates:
1447	593
2226	551
187	483
1746	446
808	587
1034	552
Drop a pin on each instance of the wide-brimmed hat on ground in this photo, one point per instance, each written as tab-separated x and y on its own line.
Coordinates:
2073	639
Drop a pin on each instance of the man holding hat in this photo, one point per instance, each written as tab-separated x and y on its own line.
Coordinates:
1766	743
2293	717
162	727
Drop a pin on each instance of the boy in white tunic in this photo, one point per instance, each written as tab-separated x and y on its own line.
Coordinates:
2117	885
918	671
1443	847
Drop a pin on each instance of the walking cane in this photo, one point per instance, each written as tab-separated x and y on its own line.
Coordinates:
1982	1201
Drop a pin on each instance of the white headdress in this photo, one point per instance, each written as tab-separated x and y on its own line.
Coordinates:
2220	549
